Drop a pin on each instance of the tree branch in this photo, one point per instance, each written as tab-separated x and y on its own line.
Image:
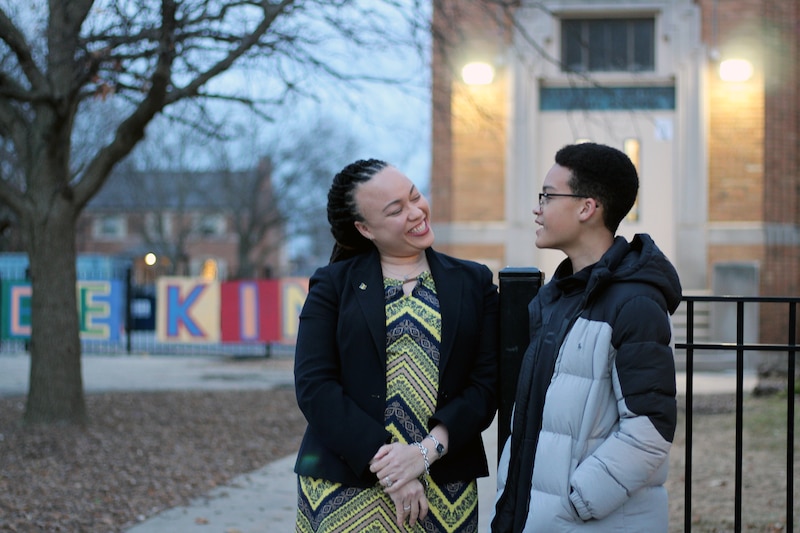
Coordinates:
271	13
132	129
19	46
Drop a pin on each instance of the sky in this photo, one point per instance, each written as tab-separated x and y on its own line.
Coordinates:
394	125
391	121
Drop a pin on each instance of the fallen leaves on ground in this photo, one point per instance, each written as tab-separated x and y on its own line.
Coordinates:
140	454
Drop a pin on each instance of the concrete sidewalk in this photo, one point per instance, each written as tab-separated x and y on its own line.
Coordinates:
262	501
106	373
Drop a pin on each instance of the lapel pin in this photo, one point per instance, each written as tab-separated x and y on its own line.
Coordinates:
363	286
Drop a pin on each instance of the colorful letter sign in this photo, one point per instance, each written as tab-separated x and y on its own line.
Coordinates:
16	309
100	309
293	295
251	311
188	310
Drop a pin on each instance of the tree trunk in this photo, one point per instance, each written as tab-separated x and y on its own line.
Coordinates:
56	385
245	268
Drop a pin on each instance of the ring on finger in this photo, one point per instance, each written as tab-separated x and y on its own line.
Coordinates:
387	481
406	507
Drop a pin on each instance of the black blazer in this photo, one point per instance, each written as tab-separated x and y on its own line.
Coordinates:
340	368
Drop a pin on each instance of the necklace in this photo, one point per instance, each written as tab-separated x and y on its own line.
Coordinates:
409	276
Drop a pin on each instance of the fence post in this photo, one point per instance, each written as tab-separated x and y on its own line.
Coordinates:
27	343
128	314
518	286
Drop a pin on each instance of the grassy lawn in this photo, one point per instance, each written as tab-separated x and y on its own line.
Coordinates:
764	461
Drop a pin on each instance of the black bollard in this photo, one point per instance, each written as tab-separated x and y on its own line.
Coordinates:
518	286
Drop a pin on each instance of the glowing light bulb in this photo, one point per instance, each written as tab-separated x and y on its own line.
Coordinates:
477	73
735	70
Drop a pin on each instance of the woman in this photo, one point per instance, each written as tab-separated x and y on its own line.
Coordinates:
395	368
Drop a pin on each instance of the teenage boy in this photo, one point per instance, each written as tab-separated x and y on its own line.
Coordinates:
595	411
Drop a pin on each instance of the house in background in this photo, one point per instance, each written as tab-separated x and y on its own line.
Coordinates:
216	224
717	146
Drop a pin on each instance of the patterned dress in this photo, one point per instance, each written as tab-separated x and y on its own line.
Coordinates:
413	337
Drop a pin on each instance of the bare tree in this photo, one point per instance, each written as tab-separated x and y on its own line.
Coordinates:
140	57
305	159
270	190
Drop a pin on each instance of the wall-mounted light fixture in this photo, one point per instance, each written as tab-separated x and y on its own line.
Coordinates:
150	259
735	70
477	73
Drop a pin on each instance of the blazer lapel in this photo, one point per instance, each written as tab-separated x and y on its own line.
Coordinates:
449	287
366	282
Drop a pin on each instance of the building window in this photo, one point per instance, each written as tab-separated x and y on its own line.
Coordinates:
158	225
608	45
110	227
211	225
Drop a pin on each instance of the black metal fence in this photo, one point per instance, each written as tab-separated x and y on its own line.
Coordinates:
740	347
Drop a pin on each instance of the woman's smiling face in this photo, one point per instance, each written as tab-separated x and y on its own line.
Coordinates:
396	215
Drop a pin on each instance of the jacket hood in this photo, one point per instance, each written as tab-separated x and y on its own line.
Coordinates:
639	261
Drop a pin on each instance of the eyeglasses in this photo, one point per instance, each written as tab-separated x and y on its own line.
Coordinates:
544	197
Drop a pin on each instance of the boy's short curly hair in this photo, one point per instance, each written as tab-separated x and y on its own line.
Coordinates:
605	174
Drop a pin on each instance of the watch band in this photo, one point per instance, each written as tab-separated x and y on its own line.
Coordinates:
438	446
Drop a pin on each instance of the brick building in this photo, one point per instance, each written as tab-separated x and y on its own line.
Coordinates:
719	161
187	223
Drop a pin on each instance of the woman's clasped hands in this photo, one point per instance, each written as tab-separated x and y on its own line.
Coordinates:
399	467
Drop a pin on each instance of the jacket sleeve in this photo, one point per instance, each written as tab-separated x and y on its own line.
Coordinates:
470	409
332	415
643	376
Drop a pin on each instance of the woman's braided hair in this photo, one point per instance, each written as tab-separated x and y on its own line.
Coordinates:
343	211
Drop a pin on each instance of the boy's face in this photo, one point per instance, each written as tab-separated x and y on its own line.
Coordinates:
558	216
